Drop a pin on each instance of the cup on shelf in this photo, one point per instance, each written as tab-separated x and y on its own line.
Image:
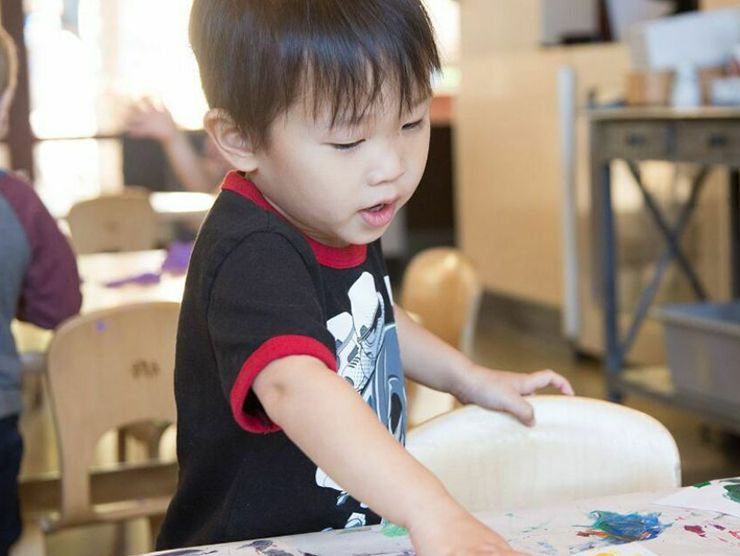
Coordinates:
649	88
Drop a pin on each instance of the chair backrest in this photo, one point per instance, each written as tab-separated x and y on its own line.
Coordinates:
579	448
441	287
110	223
107	369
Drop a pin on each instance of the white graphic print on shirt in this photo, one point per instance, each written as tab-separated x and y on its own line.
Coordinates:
368	358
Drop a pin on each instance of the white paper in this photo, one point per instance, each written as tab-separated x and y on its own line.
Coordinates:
631	549
713	497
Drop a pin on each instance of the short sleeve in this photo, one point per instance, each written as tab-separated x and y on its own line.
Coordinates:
51	288
264	305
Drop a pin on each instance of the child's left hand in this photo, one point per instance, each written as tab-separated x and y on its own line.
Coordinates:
504	390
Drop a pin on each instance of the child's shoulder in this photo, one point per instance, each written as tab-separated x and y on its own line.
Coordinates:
22	198
235	225
15	188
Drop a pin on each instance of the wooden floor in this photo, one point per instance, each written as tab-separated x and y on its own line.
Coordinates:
706	451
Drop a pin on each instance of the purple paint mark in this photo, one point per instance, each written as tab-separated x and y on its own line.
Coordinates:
716	526
100	326
695	529
178	257
144	279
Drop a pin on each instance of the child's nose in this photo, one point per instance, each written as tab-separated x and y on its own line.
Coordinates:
388	167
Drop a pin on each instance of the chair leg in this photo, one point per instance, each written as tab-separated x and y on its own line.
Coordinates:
121	441
150	434
32	542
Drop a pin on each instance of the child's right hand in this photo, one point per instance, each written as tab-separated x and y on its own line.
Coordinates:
149	120
458	534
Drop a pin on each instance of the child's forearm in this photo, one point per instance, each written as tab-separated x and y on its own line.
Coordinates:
429	360
334	427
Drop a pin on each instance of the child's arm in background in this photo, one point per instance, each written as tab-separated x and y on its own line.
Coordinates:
330	422
434	363
195	172
51	288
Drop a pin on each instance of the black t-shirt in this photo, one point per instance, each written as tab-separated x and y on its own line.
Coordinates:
258	290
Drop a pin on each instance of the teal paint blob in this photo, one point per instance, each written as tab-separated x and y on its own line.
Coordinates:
391	530
733	492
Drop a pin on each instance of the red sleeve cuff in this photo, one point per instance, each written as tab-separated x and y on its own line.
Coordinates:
274	348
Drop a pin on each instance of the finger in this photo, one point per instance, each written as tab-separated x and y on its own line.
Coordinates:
548	377
560	382
519	408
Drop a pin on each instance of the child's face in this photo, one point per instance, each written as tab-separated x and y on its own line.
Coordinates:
343	185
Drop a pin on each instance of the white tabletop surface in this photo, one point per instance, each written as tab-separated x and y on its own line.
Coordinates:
569	528
100	269
181	205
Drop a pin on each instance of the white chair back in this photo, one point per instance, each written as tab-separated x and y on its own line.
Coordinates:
579	448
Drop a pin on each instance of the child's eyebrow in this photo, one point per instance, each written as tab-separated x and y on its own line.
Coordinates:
346	120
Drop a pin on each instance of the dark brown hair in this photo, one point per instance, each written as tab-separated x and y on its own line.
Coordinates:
8	61
258	57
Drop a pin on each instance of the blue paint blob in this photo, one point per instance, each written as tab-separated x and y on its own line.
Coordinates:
624	528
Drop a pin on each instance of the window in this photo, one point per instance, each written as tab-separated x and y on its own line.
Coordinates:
88	60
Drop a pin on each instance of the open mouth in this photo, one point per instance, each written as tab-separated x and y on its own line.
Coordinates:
379	215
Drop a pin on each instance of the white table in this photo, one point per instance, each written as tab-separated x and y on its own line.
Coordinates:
178	206
97	270
564	529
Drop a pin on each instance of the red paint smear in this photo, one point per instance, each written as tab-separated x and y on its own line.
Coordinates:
735	534
695	529
592	533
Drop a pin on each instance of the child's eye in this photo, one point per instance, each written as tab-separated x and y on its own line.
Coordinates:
413	125
346	146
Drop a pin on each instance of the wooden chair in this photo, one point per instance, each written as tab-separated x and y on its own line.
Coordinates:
106	369
111	223
579	448
440	286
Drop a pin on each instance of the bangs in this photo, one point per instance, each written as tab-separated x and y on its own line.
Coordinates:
258	58
351	53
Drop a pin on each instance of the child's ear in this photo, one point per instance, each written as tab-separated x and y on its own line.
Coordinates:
234	146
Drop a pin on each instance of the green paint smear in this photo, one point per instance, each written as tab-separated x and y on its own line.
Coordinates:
700	485
391	530
733	493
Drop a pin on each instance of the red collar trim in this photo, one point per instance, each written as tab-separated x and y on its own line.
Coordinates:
334	257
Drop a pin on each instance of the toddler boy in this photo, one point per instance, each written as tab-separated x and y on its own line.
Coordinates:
291	353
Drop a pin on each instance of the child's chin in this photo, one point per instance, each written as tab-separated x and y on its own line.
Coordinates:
368	237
